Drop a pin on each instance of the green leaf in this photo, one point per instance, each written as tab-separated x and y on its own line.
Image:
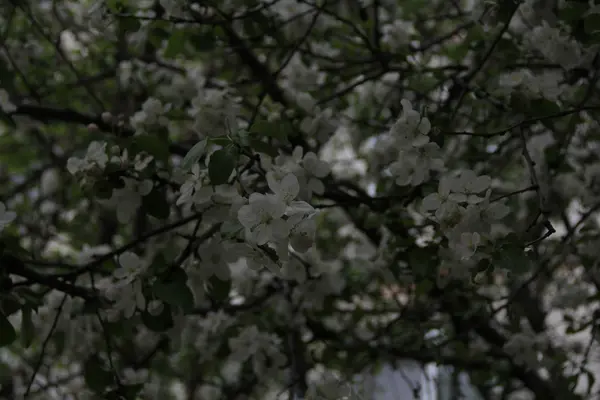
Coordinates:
156	204
276	129
543	107
115	6
204	41
193	155
176	43
591	23
221	141
27	328
572	11
7	331
153	145
513	258
158	323
96	377
218	290
9	304
424	287
263	147
11	244
176	293
103	189
220	167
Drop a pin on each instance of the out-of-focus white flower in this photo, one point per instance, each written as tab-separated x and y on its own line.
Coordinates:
131	267
6	216
128	199
5	103
262	217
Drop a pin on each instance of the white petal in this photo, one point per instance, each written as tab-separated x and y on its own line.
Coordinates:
272	181
279	229
297	154
289	187
262	234
424	126
129	260
247	216
431	202
480	184
145	187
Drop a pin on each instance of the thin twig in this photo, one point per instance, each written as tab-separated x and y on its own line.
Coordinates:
45	345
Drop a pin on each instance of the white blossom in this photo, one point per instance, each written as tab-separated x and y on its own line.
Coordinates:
131	267
262	217
95	157
213	255
128	199
257	346
5	104
6	217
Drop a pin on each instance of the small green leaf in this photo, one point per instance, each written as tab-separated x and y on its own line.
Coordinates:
221	141
572	11
217	289
193	155
27	328
591	23
543	107
156	204
7	332
263	147
220	167
11	244
9	304
176	293
153	145
115	6
96	377
204	41
103	189
158	323
275	129
176	43
513	258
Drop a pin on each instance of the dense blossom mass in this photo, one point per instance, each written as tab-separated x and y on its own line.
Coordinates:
271	199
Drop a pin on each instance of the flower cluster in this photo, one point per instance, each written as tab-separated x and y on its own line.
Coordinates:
525	347
397	34
467	218
150	116
258	347
124	289
417	156
308	170
214	113
95	159
278	218
555	46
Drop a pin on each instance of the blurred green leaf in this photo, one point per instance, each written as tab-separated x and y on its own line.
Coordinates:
96	376
156	203
193	155
221	165
27	329
218	289
153	145
159	323
7	331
